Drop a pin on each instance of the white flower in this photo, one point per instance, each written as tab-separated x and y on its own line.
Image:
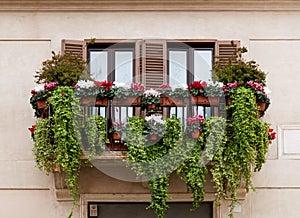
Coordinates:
151	93
215	83
85	84
117	84
39	88
155	119
267	91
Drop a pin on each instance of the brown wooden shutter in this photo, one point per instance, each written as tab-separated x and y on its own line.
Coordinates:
138	61
226	50
154	63
76	47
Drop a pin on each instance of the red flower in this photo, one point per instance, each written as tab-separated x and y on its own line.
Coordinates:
197	85
271	135
106	85
32	129
33	92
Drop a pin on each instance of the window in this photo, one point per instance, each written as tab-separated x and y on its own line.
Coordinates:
152	62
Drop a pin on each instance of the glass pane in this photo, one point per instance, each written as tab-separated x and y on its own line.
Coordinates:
202	64
177	68
124	67
98	65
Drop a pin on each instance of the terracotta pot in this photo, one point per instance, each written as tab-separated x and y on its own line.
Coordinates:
196	134
200	100
153	137
151	106
165	101
262	106
129	101
41	104
179	102
101	102
116	136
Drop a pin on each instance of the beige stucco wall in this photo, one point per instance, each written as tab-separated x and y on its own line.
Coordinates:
27	38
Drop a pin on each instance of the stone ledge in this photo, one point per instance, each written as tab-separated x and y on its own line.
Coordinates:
152	5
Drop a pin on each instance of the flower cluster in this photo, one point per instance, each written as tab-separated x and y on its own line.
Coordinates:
105	89
271	135
261	92
195	123
51	85
155	125
227	88
197	88
31	130
138	87
117	127
150	96
214	89
104	84
85	84
38	89
151	93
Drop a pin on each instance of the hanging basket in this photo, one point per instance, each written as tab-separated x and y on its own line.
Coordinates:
262	106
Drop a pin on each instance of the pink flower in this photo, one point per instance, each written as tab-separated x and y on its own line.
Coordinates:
197	118
50	85
138	87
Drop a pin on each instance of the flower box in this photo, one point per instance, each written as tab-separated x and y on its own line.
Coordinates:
262	106
41	104
93	101
130	101
166	101
196	134
205	101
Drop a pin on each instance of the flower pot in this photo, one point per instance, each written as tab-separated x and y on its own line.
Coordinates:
172	102
228	101
41	104
129	101
101	102
205	101
116	136
151	106
56	168
153	137
262	106
196	134
200	100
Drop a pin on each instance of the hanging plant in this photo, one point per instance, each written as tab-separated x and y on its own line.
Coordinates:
246	147
66	117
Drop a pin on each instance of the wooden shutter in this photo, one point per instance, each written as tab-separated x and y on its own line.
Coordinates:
76	47
226	50
154	62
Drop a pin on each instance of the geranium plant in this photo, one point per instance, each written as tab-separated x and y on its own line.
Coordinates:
194	125
86	88
271	134
173	92
261	93
105	89
117	127
197	88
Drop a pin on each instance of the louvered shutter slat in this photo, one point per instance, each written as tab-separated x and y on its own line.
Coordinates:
226	51
154	63
75	47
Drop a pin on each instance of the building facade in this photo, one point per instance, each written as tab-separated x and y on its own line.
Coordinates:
30	30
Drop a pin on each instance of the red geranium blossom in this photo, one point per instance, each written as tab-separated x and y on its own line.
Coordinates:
32	129
271	135
104	84
197	85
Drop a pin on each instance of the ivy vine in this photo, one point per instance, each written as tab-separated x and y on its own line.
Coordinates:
66	117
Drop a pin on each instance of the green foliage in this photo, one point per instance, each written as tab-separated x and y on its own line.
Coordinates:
45	150
95	132
64	69
246	147
66	117
238	70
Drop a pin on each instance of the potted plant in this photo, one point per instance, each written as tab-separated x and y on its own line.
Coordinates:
172	96
40	98
117	129
197	91
65	69
106	91
155	127
194	126
150	99
228	90
214	91
261	94
128	96
86	91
